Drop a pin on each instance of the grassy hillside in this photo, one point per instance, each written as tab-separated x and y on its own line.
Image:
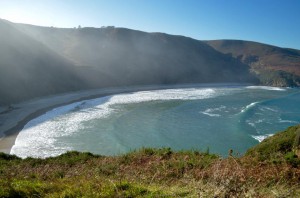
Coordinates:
271	169
274	66
283	145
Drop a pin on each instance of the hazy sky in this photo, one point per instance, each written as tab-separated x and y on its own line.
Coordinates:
275	22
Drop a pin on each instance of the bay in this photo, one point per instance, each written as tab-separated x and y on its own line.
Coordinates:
201	118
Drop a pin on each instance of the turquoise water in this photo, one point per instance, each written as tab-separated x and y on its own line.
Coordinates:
218	118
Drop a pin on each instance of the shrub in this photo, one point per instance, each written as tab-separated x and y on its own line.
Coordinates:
4	156
292	159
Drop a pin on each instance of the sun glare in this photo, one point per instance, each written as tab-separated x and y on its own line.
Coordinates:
19	16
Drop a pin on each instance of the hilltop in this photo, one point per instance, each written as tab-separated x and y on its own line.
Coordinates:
270	169
40	61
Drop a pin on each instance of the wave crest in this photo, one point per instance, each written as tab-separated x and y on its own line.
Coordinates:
266	88
249	106
211	112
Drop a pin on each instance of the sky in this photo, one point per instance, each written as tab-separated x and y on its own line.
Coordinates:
275	22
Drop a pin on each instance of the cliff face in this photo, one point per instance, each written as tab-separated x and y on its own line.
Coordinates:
273	65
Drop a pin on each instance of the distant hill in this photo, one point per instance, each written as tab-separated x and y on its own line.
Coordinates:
135	57
274	66
38	61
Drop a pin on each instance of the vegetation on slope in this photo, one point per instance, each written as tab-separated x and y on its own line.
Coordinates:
283	146
278	78
270	169
273	65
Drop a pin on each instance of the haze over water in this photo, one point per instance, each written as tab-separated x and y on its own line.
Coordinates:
218	118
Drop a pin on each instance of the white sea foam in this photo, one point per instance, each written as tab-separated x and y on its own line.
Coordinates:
211	111
211	114
288	121
39	136
248	107
266	88
260	138
268	109
253	123
169	94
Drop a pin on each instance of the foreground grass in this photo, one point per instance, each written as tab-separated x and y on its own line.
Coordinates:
270	169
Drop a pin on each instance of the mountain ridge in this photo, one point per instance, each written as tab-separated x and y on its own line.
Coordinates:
111	57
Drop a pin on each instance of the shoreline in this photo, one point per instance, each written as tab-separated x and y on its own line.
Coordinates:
14	120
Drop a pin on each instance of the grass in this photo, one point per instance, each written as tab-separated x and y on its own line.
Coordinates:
282	147
270	169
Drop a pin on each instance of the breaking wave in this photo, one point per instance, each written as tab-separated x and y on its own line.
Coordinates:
217	117
38	137
212	111
266	88
249	107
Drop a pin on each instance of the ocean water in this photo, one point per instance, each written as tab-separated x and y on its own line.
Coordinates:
218	118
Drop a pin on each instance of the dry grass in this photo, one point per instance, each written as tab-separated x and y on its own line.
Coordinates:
157	173
147	173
